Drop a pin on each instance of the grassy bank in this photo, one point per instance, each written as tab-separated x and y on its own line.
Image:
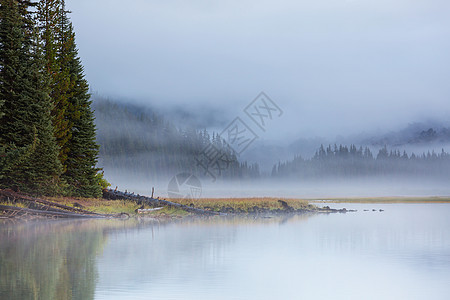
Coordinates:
245	204
104	206
226	205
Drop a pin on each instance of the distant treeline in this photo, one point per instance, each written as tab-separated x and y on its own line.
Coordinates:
139	140
350	161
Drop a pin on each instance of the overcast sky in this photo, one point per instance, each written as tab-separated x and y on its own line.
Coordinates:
334	66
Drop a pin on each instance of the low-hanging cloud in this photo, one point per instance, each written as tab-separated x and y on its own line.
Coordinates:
335	67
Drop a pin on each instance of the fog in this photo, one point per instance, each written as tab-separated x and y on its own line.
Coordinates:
363	73
142	148
388	186
334	67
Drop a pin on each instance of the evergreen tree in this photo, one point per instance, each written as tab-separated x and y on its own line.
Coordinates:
72	115
50	18
82	150
30	154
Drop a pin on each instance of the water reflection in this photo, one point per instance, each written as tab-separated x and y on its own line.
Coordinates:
402	253
50	259
58	259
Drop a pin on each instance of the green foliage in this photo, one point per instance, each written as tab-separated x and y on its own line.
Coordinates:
47	141
51	30
29	151
82	147
101	181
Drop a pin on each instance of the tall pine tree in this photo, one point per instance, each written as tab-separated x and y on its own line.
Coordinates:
72	115
30	154
49	17
81	172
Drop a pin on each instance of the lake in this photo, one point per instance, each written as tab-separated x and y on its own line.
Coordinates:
402	252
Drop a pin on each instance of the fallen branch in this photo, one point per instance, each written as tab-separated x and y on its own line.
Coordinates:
10	195
46	208
141	211
20	211
118	195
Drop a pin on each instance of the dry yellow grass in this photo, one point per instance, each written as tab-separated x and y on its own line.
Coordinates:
15	204
244	204
98	205
114	206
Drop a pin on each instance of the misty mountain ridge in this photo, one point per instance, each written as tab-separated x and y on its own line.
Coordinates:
143	142
129	129
414	134
194	115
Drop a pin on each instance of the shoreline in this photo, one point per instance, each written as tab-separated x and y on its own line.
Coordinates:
119	205
122	205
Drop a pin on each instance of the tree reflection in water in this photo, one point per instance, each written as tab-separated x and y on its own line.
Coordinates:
50	259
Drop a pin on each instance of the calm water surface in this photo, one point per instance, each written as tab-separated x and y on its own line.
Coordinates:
401	253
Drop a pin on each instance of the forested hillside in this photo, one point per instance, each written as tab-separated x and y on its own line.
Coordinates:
139	140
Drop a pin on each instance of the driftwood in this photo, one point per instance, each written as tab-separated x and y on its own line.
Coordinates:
10	195
118	195
20	211
141	211
45	208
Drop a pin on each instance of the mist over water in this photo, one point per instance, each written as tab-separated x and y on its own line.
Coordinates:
400	253
289	188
